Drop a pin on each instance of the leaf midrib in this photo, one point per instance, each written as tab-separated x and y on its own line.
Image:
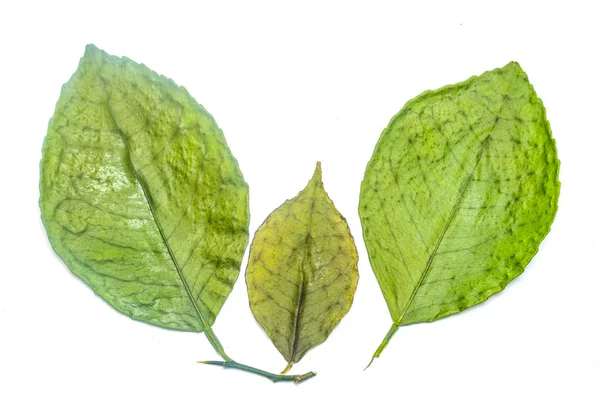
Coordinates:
302	290
462	191
147	193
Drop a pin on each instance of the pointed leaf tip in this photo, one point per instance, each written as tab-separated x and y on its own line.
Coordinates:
91	50
318	174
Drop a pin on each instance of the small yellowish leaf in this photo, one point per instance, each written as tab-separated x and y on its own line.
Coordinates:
302	271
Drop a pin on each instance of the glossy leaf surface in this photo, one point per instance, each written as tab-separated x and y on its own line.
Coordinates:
461	189
302	271
140	195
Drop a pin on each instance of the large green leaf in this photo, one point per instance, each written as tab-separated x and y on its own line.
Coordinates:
141	196
459	193
302	271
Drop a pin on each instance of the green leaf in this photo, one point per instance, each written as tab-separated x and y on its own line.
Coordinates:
140	195
302	271
143	200
459	193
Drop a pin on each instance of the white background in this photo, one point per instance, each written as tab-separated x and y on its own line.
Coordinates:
290	85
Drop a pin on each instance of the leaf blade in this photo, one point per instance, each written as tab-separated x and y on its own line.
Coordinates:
300	256
460	178
127	150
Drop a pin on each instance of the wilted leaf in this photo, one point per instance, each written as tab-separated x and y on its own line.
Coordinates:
141	196
302	271
460	191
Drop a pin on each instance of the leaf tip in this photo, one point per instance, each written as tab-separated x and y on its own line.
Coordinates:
91	49
513	67
92	56
318	173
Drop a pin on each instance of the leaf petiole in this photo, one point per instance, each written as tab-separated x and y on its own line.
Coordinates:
216	343
384	343
287	368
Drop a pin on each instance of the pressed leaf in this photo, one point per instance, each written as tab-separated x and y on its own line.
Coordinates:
461	189
302	271
140	195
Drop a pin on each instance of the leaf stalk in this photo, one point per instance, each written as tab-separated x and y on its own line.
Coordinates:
385	342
